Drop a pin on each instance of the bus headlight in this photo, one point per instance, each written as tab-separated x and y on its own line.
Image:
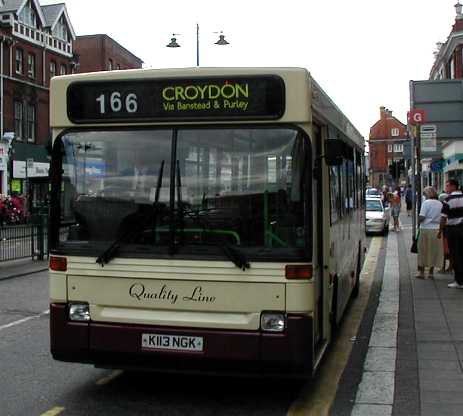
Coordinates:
272	321
79	312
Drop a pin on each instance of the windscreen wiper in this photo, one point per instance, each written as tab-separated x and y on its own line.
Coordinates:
135	230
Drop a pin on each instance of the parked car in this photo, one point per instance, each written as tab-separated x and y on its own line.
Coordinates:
373	192
377	216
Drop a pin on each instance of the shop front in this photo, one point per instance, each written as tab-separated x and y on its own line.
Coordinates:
453	157
30	174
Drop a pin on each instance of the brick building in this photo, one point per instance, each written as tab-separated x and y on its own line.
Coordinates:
102	53
448	64
387	138
36	43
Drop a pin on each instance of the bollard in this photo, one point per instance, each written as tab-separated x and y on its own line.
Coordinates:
40	235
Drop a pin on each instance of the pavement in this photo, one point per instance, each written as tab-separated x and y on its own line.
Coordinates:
412	359
22	267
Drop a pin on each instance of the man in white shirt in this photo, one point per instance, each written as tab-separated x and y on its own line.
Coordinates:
452	220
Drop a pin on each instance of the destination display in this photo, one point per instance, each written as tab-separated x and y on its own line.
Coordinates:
177	99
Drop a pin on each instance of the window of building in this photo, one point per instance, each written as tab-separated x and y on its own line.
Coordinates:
19	61
441	73
31	65
452	68
398	148
52	69
110	65
389	147
62	69
31	123
394	132
61	30
28	15
18	119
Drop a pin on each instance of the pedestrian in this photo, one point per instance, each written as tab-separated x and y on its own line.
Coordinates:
395	203
430	248
409	199
442	197
385	193
452	221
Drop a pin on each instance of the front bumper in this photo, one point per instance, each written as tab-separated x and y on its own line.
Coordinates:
225	351
375	226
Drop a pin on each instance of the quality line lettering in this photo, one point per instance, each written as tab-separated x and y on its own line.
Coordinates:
205	92
138	291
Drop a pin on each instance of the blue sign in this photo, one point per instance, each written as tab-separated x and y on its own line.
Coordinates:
92	167
437	165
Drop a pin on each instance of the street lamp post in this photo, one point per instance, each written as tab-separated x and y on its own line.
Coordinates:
174	44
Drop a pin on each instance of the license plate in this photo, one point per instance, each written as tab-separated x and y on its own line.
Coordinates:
172	342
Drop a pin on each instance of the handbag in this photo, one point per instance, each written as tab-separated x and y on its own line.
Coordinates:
414	247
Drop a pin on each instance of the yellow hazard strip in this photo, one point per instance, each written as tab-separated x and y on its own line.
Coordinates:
317	397
53	412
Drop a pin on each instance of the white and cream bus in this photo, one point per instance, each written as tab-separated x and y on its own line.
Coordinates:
205	219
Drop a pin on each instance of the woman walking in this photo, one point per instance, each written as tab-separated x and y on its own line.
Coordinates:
396	203
409	199
430	247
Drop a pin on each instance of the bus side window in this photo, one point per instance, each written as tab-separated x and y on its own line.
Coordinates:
334	194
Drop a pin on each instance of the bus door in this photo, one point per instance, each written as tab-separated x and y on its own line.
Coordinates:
318	242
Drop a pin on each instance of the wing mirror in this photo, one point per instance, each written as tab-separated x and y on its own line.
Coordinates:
334	152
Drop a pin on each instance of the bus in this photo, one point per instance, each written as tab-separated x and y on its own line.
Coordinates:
201	220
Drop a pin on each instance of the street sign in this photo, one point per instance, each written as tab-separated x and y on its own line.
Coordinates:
428	131
442	100
428	138
428	144
416	116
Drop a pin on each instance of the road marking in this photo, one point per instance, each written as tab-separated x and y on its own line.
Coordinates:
53	412
21	321
109	378
316	397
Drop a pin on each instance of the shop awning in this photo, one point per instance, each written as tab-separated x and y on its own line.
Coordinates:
24	151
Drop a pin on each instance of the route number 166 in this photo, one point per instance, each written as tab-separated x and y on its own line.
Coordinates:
117	103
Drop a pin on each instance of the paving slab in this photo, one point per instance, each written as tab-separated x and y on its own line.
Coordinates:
384	332
441	409
371	410
376	388
380	359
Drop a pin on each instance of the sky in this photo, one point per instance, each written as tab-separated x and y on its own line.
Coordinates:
363	53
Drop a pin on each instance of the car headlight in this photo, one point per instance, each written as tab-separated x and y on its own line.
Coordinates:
273	321
79	312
